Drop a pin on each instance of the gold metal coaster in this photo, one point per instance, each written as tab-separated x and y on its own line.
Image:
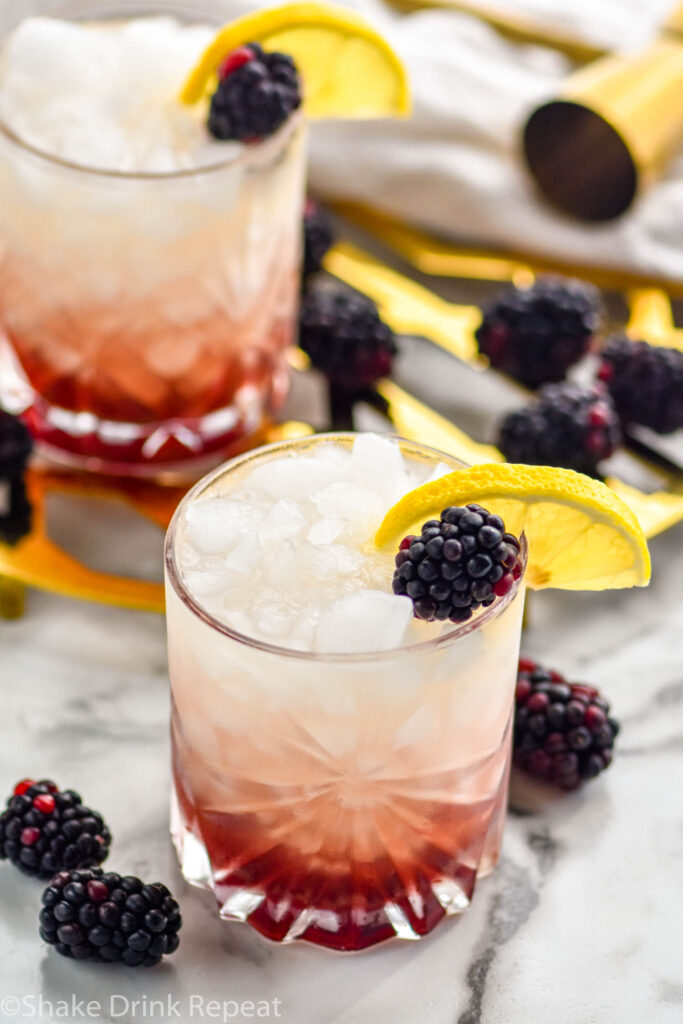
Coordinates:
409	308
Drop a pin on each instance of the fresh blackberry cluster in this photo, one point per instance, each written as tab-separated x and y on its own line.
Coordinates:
88	915
563	731
535	334
566	425
645	382
44	830
318	237
345	338
16	445
459	563
256	93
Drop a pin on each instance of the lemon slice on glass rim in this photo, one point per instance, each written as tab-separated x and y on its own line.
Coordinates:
348	69
581	535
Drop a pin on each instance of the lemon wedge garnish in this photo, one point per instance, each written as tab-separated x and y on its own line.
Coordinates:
581	535
348	69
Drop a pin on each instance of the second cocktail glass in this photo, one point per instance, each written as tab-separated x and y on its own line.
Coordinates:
144	316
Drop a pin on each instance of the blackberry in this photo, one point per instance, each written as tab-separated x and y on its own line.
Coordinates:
566	425
44	830
345	338
318	237
89	915
16	445
459	563
15	510
256	93
645	382
563	731
535	334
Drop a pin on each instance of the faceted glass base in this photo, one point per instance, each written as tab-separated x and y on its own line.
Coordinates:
187	445
344	906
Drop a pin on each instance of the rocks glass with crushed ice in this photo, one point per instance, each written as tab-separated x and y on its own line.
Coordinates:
340	766
149	274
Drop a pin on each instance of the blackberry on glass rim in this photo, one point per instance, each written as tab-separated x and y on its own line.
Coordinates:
255	96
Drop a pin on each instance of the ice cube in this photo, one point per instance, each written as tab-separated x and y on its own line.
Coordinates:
377	463
245	557
206	583
441	469
366	620
274	622
302	634
284	521
324	531
283	568
362	508
296	477
49	52
214	525
328	562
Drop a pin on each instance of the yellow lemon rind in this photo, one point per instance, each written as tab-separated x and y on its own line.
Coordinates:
513	491
258	26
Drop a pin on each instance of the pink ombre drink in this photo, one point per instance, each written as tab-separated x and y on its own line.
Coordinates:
340	767
149	274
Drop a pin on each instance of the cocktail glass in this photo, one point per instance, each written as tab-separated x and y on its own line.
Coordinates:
144	317
341	799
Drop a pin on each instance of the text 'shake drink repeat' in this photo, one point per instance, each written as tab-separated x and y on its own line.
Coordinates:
340	765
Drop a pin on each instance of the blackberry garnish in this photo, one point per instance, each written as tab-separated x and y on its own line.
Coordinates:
458	563
89	915
645	382
563	731
535	334
345	338
566	425
256	93
44	830
16	445
318	236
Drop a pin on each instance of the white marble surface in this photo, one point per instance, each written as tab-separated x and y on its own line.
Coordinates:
581	922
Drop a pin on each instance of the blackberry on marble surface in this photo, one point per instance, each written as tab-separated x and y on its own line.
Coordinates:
567	425
563	732
536	334
318	237
645	382
16	445
44	830
89	915
345	338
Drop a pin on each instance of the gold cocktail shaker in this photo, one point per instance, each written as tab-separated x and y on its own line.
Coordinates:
594	147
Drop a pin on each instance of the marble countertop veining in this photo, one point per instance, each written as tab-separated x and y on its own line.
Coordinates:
580	924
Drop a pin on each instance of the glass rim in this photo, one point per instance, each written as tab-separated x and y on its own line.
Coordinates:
175	580
248	155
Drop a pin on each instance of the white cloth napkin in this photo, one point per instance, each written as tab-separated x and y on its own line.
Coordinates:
455	167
